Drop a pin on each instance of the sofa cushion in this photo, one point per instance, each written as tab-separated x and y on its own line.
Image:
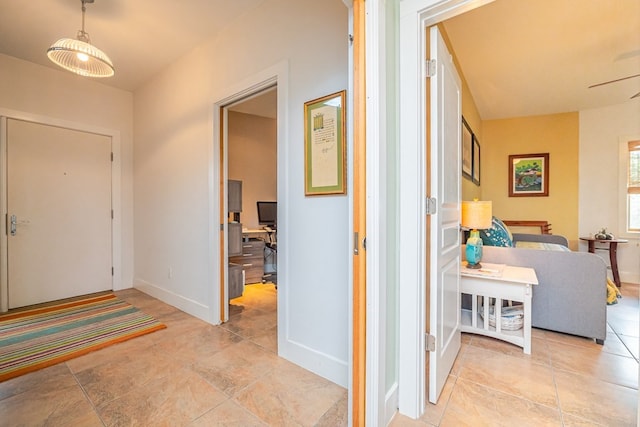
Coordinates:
497	235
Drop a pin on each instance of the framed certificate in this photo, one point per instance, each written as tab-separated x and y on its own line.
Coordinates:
324	145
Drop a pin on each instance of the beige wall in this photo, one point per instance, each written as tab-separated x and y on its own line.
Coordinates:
59	95
253	160
555	134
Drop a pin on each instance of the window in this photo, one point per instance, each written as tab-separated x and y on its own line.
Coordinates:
633	186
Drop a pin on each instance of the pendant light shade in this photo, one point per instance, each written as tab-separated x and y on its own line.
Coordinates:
79	55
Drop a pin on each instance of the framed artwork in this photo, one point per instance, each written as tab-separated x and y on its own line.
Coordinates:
476	160
529	175
467	150
325	165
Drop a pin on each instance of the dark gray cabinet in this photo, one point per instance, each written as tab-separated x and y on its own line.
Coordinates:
234	193
234	236
234	247
236	281
252	260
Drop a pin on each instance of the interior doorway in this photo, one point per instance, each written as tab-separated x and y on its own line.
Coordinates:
250	139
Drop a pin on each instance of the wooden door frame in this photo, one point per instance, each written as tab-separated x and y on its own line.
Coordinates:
116	192
359	308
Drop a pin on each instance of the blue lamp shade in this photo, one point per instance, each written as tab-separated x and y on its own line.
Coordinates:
475	215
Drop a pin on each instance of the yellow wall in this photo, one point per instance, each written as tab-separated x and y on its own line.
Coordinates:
471	115
555	134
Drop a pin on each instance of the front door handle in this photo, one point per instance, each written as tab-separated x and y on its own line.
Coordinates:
13	224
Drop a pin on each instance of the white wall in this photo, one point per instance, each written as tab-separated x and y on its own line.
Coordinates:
600	130
59	95
174	136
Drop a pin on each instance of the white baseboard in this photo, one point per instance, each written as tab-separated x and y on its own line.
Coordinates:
187	305
391	403
629	277
325	365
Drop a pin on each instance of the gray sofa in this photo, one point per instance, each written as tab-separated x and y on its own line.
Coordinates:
571	294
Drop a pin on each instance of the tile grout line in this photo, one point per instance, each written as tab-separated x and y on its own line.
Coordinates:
86	395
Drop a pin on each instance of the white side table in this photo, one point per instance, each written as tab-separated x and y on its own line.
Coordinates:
501	282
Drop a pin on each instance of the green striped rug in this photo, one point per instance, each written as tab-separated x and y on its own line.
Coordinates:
40	337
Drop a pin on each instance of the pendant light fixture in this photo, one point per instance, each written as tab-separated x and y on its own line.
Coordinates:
79	55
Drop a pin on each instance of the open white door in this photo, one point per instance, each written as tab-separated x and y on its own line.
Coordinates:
443	235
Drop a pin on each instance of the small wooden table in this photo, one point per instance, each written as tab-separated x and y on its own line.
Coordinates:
613	253
501	282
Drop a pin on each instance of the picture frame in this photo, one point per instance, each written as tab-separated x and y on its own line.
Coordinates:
325	145
529	175
476	161
467	150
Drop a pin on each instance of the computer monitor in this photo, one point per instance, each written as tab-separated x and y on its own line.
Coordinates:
268	213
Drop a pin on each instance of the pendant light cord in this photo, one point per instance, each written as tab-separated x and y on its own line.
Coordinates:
82	34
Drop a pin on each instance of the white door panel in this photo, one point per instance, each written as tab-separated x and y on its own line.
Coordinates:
59	190
444	253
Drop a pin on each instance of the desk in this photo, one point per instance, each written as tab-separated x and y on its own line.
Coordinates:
509	283
258	233
613	253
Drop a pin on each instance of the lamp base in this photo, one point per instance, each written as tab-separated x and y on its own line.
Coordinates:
474	250
474	266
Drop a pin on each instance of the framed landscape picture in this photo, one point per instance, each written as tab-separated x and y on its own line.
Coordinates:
529	175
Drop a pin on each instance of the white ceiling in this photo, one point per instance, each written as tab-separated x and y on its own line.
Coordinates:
529	57
140	36
519	57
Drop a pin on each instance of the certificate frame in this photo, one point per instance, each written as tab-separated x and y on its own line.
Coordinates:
325	165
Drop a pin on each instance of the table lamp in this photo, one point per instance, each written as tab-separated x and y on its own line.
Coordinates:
475	215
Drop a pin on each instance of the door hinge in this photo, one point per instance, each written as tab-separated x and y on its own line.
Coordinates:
221	227
430	343
111	213
112	271
432	206
431	67
112	157
356	243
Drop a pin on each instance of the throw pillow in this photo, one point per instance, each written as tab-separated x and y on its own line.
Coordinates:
497	235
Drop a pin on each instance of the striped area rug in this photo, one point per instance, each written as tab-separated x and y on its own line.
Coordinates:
40	337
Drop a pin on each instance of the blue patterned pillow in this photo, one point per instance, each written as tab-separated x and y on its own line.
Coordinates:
497	235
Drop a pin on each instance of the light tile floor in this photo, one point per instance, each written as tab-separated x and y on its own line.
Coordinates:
195	374
566	381
190	374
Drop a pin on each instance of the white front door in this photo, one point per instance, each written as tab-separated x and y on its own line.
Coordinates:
443	241
58	212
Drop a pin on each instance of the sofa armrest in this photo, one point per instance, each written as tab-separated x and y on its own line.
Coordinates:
544	238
